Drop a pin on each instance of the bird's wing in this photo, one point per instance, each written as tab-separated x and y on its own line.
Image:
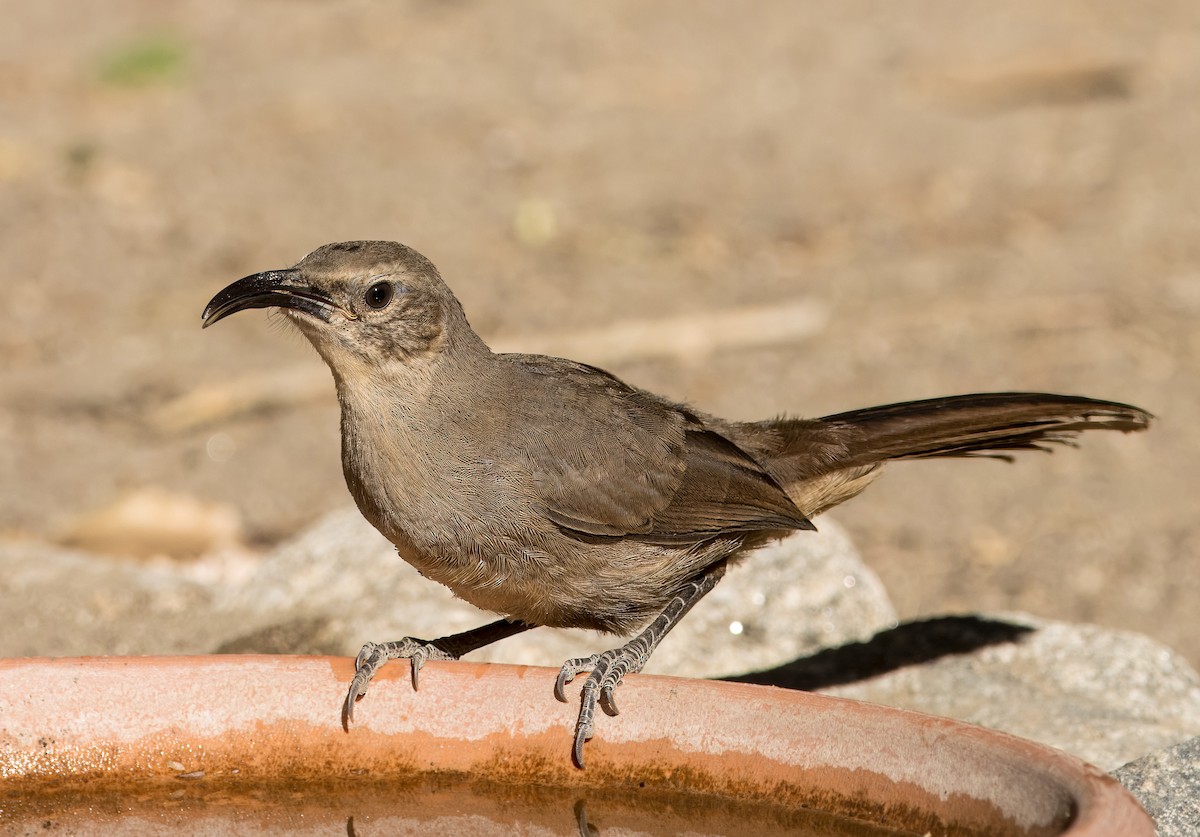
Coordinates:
630	463
723	491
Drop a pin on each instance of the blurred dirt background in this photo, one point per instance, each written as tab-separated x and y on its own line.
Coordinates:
756	208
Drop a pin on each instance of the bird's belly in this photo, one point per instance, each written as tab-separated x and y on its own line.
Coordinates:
511	585
532	586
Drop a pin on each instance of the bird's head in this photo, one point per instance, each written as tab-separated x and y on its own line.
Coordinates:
371	303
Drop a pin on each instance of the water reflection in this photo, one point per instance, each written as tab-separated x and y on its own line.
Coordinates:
428	806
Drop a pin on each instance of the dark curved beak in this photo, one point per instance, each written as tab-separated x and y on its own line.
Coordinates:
273	289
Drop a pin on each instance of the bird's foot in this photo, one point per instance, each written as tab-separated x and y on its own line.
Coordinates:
607	671
373	656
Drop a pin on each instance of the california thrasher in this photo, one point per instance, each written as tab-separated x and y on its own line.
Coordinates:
553	493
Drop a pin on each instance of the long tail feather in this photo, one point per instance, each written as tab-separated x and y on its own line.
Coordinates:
824	462
983	424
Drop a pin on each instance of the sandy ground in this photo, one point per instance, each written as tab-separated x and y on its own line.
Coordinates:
757	208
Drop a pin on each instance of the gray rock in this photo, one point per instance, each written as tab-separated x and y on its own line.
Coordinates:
341	584
791	598
1167	783
339	581
59	602
1107	696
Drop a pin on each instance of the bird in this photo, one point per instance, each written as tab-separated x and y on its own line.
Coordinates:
552	493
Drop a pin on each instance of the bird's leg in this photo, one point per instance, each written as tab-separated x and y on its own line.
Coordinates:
609	668
374	654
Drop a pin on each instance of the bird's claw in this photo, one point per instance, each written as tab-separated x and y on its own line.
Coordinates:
358	688
583	732
368	661
570	669
607	703
374	655
607	672
416	660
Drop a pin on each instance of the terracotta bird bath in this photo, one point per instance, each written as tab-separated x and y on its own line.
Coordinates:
255	744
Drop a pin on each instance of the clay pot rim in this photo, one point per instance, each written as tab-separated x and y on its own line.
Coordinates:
118	717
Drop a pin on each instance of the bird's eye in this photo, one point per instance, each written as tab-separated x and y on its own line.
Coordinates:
379	294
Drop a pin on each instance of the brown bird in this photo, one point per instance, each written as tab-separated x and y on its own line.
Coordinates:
552	493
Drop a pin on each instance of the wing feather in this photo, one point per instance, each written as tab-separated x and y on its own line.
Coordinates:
636	465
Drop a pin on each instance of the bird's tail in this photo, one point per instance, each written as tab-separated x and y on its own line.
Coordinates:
986	424
826	461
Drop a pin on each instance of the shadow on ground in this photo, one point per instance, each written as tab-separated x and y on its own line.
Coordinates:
911	643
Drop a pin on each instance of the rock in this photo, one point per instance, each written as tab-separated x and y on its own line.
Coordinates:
791	598
1167	783
342	579
1107	696
153	522
59	602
